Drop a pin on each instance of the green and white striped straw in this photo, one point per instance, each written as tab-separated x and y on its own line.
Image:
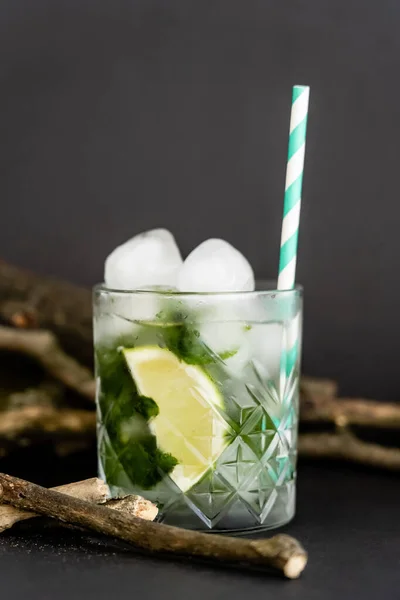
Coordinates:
291	213
294	180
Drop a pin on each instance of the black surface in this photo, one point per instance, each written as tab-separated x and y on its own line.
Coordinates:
348	519
120	115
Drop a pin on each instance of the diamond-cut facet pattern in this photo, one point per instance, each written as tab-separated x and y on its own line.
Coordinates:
211	498
237	464
251	483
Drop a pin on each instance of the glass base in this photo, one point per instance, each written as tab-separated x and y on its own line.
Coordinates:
240	515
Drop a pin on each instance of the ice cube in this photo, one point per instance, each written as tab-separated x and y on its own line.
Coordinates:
110	328
216	266
149	259
255	348
119	315
266	343
223	330
229	340
262	373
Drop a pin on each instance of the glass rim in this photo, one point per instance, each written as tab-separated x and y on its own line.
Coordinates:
297	290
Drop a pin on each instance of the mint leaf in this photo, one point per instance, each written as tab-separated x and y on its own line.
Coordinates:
228	354
184	340
125	415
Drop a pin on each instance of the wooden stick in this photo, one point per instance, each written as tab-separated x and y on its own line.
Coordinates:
346	411
345	446
32	421
45	394
280	553
43	347
92	490
31	300
311	386
68	430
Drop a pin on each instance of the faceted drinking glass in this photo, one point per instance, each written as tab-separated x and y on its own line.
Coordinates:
197	399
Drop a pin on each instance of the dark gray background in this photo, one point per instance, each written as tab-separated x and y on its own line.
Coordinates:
122	115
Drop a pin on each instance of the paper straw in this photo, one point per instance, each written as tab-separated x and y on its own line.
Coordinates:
294	180
291	217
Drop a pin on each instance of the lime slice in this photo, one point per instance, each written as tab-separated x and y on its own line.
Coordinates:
188	425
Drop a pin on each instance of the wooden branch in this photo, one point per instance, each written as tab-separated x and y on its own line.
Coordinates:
345	446
92	490
37	420
31	300
45	394
37	415
134	506
313	386
346	411
281	552
43	347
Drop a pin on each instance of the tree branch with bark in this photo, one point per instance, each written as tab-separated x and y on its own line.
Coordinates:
281	553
